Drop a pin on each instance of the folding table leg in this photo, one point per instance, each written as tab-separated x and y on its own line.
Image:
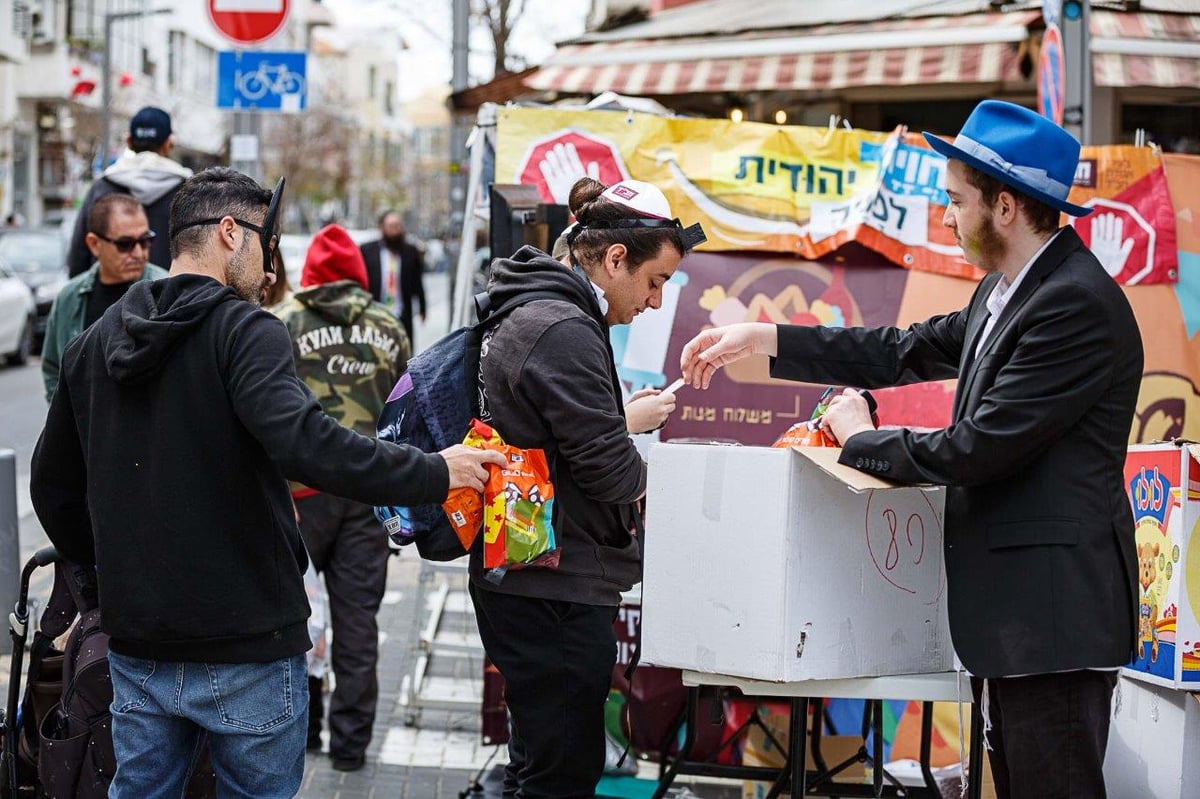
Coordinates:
795	772
975	784
877	756
927	745
689	742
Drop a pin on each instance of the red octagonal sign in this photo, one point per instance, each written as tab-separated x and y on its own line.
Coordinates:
555	162
248	21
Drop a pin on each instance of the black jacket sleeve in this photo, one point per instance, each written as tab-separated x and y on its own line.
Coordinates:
58	483
307	444
1061	363
414	273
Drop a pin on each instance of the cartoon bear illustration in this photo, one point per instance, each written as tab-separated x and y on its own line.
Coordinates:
1148	607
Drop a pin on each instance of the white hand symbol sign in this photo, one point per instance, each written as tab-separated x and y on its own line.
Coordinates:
1107	243
562	167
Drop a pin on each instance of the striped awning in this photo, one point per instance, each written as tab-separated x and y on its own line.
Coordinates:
975	48
1144	49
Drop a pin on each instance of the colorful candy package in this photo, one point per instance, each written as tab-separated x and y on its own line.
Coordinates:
516	509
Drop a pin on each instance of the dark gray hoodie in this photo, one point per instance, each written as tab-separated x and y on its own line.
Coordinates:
552	384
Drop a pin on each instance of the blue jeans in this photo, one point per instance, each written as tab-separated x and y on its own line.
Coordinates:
255	716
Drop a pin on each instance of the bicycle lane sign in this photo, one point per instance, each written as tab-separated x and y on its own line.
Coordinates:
262	80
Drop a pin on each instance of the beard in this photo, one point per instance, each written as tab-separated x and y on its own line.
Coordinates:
987	244
394	243
245	285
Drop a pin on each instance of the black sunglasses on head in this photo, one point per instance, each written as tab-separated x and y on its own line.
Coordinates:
125	244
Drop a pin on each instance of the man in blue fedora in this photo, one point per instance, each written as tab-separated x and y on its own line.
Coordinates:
1040	559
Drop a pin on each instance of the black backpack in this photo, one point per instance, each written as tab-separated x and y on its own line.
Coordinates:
431	408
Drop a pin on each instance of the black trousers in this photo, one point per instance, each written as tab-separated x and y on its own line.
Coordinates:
1049	733
557	660
348	547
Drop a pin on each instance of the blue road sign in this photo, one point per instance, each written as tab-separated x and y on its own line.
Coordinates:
262	80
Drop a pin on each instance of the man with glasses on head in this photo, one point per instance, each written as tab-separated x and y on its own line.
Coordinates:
119	238
165	457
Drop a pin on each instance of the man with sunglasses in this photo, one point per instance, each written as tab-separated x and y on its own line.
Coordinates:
119	238
165	457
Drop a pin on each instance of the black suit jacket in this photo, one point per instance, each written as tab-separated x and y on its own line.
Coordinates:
411	268
1039	540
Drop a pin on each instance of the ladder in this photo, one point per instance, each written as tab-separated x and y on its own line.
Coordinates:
444	632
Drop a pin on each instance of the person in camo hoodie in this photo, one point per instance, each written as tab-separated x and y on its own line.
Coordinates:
350	350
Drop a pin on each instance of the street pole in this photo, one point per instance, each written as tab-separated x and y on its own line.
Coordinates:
106	77
10	541
460	15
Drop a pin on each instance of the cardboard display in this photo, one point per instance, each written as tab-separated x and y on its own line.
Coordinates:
1153	743
1163	481
781	565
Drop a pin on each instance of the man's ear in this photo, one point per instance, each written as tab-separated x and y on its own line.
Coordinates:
1006	208
613	257
227	233
93	244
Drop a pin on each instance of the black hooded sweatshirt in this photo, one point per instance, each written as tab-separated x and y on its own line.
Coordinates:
551	383
178	417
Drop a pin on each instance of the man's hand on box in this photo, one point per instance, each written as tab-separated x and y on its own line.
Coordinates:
719	346
848	414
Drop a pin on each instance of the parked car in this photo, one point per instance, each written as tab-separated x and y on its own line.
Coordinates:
37	256
17	312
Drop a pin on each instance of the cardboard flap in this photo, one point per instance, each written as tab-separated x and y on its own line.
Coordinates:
826	458
1194	451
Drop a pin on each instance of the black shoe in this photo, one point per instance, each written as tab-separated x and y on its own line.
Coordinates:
349	763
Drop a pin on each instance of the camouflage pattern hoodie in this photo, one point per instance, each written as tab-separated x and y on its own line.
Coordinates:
349	351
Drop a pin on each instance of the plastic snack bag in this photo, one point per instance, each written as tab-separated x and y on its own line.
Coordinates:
810	433
515	512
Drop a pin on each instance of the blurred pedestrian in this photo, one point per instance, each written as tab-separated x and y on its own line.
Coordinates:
164	459
551	384
395	270
1040	562
144	171
119	238
349	351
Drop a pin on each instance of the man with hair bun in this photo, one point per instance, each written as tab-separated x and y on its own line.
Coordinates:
550	383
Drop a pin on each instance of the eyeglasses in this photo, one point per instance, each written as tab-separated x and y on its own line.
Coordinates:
269	242
125	244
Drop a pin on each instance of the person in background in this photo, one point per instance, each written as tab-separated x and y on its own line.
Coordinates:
119	238
550	383
144	171
164	460
350	351
1040	560
395	270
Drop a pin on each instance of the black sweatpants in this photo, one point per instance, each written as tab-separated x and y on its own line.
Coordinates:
1049	733
347	546
557	660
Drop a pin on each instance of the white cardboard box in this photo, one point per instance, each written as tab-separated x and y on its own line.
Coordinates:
782	565
1163	481
1153	743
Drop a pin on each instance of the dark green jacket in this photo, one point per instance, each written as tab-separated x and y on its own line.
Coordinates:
66	319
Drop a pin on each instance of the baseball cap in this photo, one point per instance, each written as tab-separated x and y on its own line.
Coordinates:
150	126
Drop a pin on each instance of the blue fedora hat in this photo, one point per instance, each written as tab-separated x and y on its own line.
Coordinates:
1021	149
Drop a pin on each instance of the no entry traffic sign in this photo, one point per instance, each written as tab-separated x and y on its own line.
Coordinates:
248	21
